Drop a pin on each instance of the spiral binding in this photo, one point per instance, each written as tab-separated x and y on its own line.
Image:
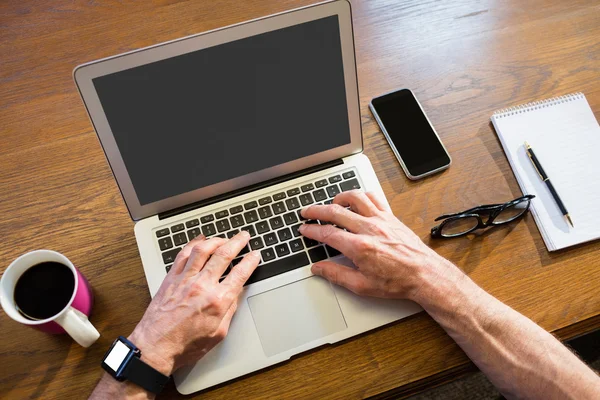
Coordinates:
523	108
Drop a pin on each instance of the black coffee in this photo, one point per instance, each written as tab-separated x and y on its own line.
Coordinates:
44	290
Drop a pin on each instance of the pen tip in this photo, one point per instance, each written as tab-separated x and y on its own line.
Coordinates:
569	219
527	145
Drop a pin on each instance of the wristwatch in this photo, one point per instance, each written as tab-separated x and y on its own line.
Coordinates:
122	361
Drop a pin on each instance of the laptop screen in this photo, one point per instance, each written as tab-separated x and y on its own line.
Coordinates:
218	113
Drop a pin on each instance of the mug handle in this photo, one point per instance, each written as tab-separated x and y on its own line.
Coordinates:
78	326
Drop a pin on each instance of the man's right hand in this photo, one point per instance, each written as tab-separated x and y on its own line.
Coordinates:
391	261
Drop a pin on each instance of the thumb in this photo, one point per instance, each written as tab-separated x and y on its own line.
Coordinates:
347	277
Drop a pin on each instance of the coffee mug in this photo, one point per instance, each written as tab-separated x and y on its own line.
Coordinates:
38	281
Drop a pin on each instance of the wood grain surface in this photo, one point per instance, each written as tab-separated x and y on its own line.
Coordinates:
463	60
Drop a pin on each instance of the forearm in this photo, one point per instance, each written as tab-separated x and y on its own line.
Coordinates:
521	359
109	388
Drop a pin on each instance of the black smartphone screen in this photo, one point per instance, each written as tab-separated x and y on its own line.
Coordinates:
410	132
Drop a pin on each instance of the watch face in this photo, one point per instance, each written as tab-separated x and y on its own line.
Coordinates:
117	357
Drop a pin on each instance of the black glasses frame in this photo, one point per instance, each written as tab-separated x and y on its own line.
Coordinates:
490	210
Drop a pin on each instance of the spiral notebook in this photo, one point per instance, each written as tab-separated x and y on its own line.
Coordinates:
566	139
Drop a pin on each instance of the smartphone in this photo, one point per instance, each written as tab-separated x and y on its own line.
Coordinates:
411	136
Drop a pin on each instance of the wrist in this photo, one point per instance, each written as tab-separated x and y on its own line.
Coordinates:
153	354
439	281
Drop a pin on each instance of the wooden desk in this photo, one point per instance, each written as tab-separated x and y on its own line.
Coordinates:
462	60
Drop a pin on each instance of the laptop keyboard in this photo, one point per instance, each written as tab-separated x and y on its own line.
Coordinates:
272	222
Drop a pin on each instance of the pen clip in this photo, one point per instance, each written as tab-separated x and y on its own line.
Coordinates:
532	162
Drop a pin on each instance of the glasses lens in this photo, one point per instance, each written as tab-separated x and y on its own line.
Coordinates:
459	226
511	213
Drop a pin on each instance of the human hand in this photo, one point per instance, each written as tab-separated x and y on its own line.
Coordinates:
192	310
391	261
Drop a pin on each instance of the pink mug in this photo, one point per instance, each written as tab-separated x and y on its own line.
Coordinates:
72	319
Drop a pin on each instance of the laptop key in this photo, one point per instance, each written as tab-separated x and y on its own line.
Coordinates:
284	234
279	196
282	249
296	245
222	214
232	233
321	183
264	200
250	230
162	232
317	254
236	261
279	208
333	190
251	217
251	205
207	218
165	243
335	179
276	223
307	188
268	254
177	228
348	175
180	239
270	239
265	212
168	268
295	230
193	233
256	243
306	199
223	225
262	227
328	202
169	256
292	203
236	220
209	229
236	209
332	252
293	192
290	218
278	267
352	184
300	217
245	250
192	223
222	236
320	195
309	242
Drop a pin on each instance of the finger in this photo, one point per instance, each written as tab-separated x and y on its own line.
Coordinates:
347	277
358	202
235	280
223	255
199	254
184	254
336	214
226	321
331	235
380	203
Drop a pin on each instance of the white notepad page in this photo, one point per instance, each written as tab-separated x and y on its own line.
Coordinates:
565	137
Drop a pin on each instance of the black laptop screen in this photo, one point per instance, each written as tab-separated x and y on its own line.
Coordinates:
208	116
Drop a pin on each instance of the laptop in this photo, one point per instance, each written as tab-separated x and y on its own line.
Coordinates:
239	128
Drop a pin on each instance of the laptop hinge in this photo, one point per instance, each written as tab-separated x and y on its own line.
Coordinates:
248	189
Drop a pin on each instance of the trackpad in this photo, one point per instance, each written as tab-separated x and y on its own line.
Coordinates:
295	314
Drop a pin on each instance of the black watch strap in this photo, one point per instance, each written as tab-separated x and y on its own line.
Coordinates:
145	376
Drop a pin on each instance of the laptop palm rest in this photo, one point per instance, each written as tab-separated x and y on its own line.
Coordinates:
292	315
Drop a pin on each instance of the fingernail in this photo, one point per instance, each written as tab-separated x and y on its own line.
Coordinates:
316	269
301	228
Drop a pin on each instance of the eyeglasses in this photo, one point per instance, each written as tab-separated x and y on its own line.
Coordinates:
467	221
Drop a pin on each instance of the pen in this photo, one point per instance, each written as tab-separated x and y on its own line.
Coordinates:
542	174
